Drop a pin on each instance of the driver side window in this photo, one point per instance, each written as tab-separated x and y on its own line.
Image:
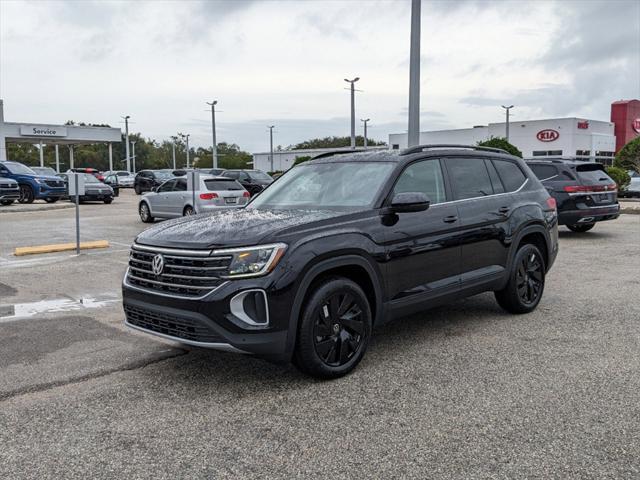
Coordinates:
167	186
424	176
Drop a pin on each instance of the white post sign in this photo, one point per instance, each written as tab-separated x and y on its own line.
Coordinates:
76	189
193	184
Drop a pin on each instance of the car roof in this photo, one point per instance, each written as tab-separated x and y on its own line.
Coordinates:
560	161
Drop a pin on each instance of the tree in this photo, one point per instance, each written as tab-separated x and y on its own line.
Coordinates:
300	159
620	176
229	156
499	142
333	142
628	158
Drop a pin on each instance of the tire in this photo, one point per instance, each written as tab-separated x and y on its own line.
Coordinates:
526	281
137	190
50	200
108	200
145	213
581	227
188	211
26	194
334	329
6	202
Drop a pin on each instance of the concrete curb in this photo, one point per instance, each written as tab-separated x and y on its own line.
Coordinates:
34	208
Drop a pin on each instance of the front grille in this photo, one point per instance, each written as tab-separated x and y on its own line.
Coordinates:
54	183
9	186
183	275
172	325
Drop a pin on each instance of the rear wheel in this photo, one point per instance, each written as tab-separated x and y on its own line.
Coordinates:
581	227
138	190
526	281
26	194
334	329
145	213
50	200
188	211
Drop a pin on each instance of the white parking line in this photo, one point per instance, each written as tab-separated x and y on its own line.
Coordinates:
24	311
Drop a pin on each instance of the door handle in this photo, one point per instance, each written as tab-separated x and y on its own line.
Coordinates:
450	219
504	210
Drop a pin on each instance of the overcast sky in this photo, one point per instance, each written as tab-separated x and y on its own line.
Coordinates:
283	63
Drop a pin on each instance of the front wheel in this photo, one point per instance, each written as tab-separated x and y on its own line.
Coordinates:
334	329
581	227
138	190
26	194
108	200
526	282
145	213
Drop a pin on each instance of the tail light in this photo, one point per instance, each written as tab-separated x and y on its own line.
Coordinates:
590	188
246	194
552	204
208	196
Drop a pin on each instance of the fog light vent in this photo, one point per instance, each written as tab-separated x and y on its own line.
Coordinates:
251	307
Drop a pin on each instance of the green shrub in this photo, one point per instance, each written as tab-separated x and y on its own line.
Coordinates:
497	142
628	158
301	159
620	176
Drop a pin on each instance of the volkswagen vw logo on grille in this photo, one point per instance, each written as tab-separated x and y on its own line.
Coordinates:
157	264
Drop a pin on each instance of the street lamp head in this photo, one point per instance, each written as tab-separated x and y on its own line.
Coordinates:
510	106
352	81
365	119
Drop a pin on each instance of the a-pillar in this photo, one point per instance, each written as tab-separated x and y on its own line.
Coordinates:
110	157
41	155
57	159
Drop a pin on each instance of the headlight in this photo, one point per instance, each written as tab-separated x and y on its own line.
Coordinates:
39	181
253	261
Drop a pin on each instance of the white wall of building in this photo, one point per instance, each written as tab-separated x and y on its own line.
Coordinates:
572	135
284	159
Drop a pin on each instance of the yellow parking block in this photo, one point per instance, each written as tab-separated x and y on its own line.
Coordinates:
59	247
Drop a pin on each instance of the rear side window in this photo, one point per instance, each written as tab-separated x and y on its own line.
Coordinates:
425	177
217	185
545	172
593	173
511	175
495	178
469	178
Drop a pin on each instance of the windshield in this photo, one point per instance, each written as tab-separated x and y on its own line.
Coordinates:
163	175
18	168
593	173
88	178
260	176
44	170
350	185
123	174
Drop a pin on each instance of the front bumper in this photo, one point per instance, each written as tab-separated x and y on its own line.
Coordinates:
208	322
9	193
589	215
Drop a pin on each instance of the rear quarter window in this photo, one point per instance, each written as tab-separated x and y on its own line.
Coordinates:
217	185
511	175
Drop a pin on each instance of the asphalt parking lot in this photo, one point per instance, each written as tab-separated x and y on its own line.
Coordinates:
462	391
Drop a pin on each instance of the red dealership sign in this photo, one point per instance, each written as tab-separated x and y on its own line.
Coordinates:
583	125
547	135
636	125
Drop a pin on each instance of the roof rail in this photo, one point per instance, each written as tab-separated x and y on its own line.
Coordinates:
336	152
422	148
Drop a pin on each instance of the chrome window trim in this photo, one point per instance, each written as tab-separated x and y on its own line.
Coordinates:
486	196
578	194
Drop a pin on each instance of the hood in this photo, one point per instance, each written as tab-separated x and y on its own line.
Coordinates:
232	227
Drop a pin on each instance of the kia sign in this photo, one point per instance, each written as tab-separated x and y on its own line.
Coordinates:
42	131
547	135
583	125
636	125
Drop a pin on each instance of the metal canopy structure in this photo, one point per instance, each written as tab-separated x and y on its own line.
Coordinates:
46	134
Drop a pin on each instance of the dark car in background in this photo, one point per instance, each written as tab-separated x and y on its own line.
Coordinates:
309	267
254	181
92	171
33	186
9	191
584	193
147	180
94	190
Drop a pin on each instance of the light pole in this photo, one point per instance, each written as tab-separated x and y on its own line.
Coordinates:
270	127
133	143
413	138
214	148
126	145
353	110
173	151
186	137
507	110
365	120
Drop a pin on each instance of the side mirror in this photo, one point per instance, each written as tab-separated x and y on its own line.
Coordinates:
410	202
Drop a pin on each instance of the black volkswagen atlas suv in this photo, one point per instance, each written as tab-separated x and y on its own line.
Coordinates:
340	244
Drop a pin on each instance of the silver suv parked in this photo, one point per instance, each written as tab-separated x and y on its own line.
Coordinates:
173	199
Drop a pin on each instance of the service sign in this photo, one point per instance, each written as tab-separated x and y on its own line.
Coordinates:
42	131
636	125
547	135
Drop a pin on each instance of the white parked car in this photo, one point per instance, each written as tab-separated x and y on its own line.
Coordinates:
125	179
172	199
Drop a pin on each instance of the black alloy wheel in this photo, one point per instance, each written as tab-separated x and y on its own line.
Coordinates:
581	227
526	282
26	194
137	189
334	330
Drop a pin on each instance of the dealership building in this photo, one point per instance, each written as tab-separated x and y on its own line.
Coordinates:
47	135
573	137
